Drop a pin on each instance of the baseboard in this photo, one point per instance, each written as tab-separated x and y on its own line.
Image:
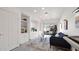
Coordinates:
14	47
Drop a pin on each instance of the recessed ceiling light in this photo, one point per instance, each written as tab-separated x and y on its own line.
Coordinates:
35	11
43	8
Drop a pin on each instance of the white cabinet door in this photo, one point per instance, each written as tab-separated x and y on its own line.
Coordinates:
3	31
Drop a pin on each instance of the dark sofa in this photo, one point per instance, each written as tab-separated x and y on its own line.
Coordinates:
58	41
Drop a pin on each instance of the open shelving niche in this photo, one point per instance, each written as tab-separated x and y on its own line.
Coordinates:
24	19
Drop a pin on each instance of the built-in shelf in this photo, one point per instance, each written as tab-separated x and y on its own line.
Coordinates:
24	23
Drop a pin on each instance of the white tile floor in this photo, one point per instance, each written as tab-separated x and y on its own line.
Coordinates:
33	46
36	45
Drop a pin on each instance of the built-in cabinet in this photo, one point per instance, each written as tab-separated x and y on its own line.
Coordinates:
25	28
24	19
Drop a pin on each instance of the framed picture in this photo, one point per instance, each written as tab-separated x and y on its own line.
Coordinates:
33	29
77	21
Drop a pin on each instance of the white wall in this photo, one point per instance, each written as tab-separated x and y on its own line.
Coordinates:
39	26
72	30
34	24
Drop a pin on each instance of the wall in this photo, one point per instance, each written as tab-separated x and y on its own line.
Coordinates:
34	24
72	30
38	25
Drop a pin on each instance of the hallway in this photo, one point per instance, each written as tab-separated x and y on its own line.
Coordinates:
39	28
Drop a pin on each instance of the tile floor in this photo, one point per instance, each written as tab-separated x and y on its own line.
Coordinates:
37	46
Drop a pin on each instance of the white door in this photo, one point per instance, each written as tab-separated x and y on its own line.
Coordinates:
13	31
8	30
3	31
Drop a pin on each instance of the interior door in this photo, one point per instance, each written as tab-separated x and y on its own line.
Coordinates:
3	31
13	31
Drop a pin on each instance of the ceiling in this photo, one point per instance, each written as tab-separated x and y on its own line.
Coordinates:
46	15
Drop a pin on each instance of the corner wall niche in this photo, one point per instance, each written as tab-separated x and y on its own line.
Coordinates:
24	23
